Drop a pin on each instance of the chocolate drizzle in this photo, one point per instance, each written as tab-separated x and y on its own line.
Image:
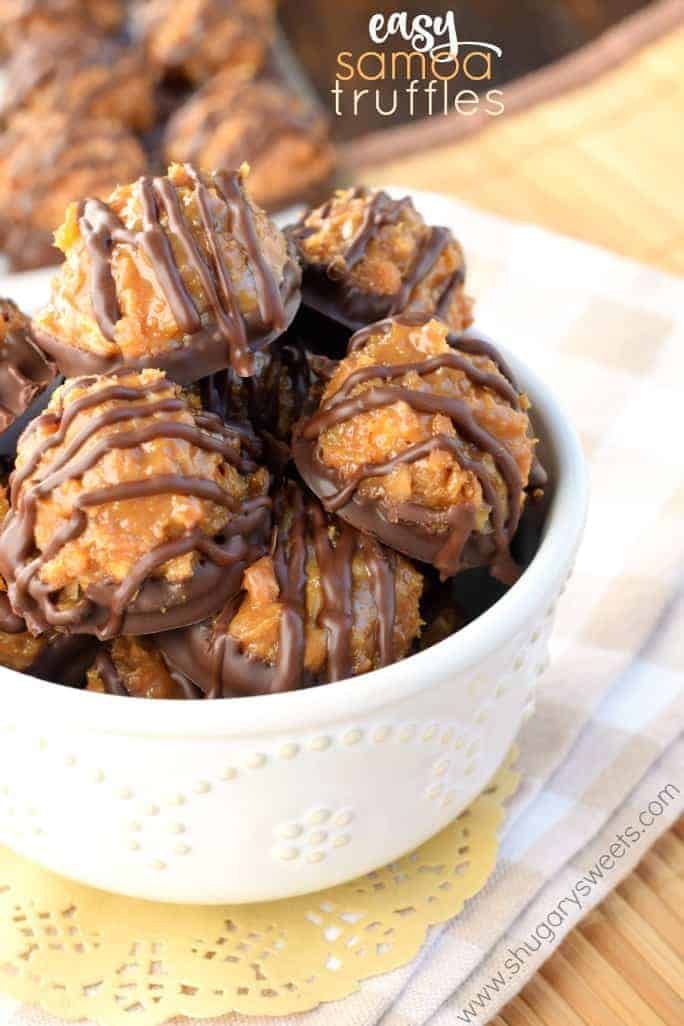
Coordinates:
330	288
101	229
443	545
93	153
140	603
64	659
271	400
109	675
114	684
67	64
270	114
24	371
228	336
246	25
216	661
10	623
61	659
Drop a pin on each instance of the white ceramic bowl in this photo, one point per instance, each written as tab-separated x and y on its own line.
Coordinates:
261	798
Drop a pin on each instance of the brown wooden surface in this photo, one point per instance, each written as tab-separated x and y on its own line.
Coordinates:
604	163
624	964
531	34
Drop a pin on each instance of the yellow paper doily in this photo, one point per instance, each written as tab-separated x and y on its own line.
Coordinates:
81	953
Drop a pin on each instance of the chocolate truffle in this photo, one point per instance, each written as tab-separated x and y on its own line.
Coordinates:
183	273
366	256
18	648
442	621
61	659
423	443
58	658
22	18
134	667
25	373
73	157
288	380
82	75
325	604
196	38
283	138
130	510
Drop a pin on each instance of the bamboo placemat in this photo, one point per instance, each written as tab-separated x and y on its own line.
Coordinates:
624	964
602	162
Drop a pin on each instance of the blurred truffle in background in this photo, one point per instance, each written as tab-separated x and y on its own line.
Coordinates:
26	373
20	19
96	93
196	38
82	74
75	157
281	136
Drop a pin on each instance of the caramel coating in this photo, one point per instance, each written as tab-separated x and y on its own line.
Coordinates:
325	604
256	625
437	482
12	322
20	651
82	75
20	19
367	256
199	37
147	325
134	667
75	157
425	443
119	533
283	138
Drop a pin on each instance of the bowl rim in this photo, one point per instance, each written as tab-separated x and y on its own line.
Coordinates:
314	708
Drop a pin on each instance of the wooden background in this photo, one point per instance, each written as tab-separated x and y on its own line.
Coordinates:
624	964
603	162
532	33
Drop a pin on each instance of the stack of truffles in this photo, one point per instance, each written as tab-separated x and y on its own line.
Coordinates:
252	461
97	92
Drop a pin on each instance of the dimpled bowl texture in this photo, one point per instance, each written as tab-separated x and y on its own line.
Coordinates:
260	798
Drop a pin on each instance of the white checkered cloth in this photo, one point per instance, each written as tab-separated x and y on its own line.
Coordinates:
605	744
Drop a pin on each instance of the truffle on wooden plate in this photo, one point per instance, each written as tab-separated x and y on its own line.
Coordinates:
75	156
196	38
282	137
83	75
